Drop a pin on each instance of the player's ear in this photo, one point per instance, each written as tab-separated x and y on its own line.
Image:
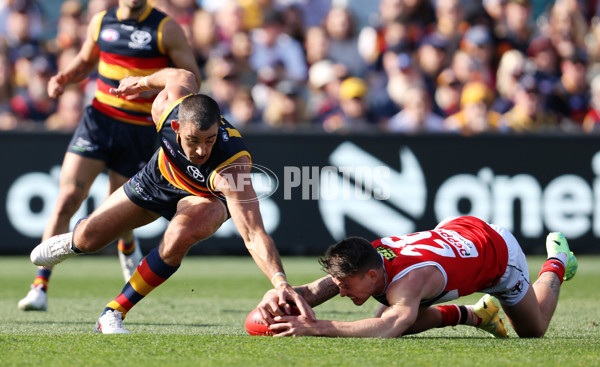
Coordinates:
372	273
175	126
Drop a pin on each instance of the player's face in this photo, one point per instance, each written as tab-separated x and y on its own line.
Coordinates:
358	287
197	144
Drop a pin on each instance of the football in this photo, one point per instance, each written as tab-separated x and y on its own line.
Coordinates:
256	325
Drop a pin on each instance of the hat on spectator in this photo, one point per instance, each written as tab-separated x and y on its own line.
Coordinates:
353	87
321	73
479	35
538	45
475	92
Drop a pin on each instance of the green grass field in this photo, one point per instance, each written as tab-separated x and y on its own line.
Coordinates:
196	319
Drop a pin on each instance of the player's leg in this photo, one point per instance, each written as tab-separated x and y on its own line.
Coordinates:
531	316
76	177
128	247
196	218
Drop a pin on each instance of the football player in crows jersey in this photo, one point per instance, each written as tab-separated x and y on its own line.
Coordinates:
116	133
407	274
197	179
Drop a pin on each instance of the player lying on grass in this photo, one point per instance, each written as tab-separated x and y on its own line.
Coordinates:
197	179
409	273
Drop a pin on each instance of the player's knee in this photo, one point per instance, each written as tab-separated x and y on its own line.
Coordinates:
532	333
68	203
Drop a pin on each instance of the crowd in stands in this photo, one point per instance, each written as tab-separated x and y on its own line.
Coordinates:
462	66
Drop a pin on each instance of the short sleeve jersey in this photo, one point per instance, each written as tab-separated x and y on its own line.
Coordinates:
180	172
471	255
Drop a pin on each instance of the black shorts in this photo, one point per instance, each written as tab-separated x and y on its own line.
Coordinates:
151	190
125	147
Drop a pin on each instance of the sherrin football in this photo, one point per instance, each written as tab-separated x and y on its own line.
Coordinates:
256	325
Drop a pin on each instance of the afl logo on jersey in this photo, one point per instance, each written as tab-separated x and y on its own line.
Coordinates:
140	40
109	35
195	173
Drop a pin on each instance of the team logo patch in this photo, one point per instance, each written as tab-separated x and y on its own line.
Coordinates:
386	253
225	135
195	173
109	35
140	40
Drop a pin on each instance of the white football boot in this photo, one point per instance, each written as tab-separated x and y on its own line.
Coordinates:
53	251
35	300
110	323
130	262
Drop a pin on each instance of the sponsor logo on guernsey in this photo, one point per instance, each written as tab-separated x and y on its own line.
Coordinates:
195	173
168	146
388	254
109	35
140	40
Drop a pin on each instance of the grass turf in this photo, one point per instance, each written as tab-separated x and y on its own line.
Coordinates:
196	318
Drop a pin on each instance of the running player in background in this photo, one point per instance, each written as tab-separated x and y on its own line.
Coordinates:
116	133
409	273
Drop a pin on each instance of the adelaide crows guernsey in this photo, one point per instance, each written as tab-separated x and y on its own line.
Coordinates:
180	172
471	255
128	47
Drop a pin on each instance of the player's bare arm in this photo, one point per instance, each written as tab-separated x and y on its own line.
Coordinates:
179	50
234	182
175	84
82	65
314	293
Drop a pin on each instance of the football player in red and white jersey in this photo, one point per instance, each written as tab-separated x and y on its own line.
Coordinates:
410	273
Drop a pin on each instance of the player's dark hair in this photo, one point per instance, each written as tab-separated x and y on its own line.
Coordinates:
350	256
201	110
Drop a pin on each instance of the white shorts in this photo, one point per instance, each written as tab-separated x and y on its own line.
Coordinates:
515	282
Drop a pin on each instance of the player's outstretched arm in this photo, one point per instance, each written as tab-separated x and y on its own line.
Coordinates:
234	181
175	84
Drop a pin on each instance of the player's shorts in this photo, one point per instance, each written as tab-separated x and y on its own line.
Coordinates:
151	190
515	282
124	147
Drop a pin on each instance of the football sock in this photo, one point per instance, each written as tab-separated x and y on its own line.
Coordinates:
453	315
554	265
149	274
126	248
42	277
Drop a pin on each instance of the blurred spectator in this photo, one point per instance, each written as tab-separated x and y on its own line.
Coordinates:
270	46
241	50
416	115
570	96
431	58
312	12
70	27
479	44
35	22
221	78
324	79
591	121
229	20
203	36
475	116
447	93
343	45
353	114
243	112
528	114
32	104
7	118
371	39
68	112
518	19
465	67
510	69
293	25
567	27
451	22
286	107
316	45
546	65
20	41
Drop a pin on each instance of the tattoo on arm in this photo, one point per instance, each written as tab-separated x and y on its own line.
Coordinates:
551	281
318	291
